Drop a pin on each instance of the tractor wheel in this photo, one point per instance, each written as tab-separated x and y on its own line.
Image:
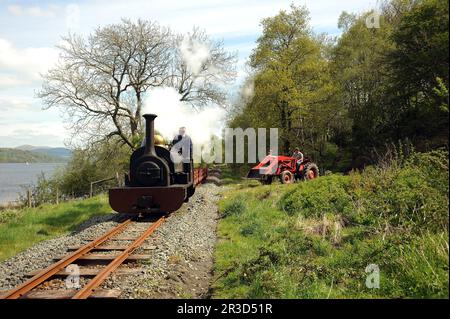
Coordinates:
267	180
311	171
287	177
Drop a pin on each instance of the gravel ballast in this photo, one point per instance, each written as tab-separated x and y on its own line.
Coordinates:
181	252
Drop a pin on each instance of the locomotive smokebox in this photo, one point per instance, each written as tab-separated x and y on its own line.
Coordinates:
146	167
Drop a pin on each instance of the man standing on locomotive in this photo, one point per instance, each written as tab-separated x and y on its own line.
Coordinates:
182	143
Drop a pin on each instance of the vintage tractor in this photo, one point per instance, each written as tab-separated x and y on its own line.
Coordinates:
284	167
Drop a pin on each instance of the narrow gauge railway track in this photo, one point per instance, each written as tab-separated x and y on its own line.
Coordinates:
85	255
28	288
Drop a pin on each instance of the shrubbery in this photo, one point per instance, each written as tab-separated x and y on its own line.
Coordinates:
85	166
410	194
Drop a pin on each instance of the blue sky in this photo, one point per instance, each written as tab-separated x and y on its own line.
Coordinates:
30	29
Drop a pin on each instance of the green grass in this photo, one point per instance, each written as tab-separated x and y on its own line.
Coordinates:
315	239
22	228
230	175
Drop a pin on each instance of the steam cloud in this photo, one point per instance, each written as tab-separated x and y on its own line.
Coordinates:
172	114
194	54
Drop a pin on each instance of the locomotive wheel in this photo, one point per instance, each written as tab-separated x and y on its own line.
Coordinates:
311	171
287	177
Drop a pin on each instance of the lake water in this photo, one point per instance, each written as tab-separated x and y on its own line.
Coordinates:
15	175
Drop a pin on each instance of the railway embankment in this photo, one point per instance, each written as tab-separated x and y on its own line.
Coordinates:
380	233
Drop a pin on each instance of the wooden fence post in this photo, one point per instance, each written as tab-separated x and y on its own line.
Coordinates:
29	197
91	192
57	195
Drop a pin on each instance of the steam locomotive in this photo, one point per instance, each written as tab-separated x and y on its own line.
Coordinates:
155	183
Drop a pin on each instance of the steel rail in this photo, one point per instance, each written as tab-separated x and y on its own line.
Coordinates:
89	288
51	270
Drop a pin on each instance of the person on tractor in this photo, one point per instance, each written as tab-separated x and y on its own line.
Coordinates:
298	156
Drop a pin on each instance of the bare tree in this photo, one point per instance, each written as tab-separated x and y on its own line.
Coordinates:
100	82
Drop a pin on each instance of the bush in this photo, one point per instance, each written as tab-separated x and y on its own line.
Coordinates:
412	195
319	197
10	215
84	167
43	192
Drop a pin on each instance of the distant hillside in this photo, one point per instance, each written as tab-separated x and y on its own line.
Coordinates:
55	151
25	147
12	155
51	151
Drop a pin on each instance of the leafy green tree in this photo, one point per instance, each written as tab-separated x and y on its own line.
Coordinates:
420	69
371	87
360	72
88	165
394	79
292	85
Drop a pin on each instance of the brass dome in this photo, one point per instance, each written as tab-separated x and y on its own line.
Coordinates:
159	140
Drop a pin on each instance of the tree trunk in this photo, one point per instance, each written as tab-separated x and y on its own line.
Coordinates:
284	127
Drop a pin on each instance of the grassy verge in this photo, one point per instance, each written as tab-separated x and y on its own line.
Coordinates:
324	238
231	175
22	228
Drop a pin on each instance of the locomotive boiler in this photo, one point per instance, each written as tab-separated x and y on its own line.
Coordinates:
155	183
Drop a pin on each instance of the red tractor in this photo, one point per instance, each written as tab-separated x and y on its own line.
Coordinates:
284	167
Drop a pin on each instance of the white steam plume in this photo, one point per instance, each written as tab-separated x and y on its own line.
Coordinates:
248	90
172	114
194	54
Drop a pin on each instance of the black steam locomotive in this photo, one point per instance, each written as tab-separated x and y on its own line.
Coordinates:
154	183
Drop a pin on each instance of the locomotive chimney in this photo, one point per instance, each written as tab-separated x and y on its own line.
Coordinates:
149	134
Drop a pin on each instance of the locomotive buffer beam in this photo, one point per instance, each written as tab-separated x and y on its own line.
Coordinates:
147	199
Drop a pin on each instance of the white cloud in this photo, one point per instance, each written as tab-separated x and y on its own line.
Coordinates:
33	11
248	90
19	66
14	104
47	133
22	121
72	16
220	18
7	81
